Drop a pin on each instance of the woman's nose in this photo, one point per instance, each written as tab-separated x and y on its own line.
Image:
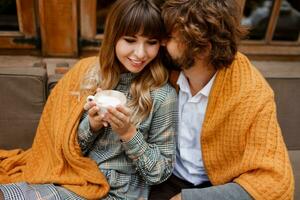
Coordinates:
140	51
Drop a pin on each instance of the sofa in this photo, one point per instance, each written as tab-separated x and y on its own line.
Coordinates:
24	92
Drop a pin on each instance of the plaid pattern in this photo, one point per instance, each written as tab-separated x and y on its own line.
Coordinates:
25	191
147	159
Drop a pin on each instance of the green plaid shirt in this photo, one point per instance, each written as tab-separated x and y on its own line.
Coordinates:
148	158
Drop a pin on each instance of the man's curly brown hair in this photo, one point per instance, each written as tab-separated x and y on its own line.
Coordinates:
201	23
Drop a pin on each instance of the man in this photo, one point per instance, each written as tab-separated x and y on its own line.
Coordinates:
229	143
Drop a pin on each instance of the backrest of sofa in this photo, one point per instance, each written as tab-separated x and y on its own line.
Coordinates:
23	95
286	86
287	97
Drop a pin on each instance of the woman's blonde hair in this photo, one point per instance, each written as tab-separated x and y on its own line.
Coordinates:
131	17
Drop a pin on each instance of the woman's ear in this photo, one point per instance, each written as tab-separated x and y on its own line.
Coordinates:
163	42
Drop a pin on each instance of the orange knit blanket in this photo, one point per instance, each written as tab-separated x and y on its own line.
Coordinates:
55	156
241	140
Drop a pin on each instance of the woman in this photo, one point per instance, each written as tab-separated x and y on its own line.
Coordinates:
132	145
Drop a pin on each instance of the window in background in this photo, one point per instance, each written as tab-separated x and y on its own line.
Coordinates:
93	14
288	22
256	17
274	27
18	31
8	16
101	13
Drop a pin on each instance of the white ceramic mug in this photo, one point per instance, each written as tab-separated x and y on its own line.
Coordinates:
107	98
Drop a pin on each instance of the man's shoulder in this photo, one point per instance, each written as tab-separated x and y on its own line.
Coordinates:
243	71
241	79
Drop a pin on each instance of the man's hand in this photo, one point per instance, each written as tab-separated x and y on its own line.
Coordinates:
176	197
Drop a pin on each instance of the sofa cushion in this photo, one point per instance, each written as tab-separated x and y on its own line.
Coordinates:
23	95
52	81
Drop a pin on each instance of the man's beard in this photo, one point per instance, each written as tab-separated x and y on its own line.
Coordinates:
186	61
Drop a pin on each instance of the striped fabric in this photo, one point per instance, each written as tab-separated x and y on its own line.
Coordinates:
55	156
147	159
25	191
129	167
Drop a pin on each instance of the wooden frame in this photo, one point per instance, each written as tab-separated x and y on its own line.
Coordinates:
242	4
88	19
265	48
268	48
26	37
58	23
89	38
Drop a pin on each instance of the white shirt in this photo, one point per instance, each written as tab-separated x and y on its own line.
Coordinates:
189	164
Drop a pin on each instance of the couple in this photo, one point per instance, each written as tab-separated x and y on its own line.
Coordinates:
225	144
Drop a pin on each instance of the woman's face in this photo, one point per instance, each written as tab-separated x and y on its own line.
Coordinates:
135	52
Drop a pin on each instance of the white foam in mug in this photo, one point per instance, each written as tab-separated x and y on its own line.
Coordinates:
107	98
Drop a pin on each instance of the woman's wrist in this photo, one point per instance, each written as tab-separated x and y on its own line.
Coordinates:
95	129
129	134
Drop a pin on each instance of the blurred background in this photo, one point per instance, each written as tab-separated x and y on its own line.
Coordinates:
54	34
74	28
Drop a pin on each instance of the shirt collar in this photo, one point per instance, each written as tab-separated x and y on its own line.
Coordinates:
127	78
184	85
206	90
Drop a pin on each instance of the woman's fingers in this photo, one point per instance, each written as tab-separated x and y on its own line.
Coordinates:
98	90
116	120
113	124
89	105
118	114
105	124
93	111
124	110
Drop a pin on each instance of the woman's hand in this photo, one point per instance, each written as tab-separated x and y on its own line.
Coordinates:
96	120
119	119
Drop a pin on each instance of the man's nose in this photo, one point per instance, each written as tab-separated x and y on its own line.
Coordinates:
164	42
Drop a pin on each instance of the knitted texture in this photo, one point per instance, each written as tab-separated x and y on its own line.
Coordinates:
241	139
55	156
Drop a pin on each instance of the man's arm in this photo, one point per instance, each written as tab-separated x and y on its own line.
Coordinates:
229	191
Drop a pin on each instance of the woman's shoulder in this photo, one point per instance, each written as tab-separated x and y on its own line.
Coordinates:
80	68
87	62
83	65
89	59
164	92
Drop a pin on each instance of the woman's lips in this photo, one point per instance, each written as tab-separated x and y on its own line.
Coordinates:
136	63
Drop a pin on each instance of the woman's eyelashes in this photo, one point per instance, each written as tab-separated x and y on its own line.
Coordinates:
130	39
152	42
